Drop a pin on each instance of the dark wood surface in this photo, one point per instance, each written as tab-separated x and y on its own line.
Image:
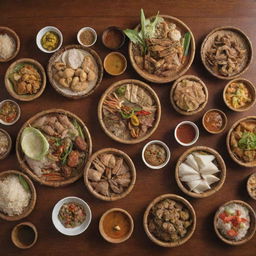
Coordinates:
26	18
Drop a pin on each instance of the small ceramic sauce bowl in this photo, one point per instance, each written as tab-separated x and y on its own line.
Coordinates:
161	144
113	38
205	118
76	230
190	133
18	112
115	63
24	235
7	152
42	32
116	225
86	30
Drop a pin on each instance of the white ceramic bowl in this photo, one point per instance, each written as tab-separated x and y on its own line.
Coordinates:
71	231
167	152
84	29
196	135
18	114
42	32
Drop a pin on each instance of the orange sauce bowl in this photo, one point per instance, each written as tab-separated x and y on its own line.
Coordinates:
115	63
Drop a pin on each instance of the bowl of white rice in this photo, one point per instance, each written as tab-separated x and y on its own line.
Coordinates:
9	44
235	222
17	195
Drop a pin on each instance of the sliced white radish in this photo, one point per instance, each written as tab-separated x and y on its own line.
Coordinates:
185	169
192	162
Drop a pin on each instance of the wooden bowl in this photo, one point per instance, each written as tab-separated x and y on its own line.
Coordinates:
251	89
251	230
252	176
177	199
208	39
193	78
128	161
184	67
9	145
215	186
59	89
246	164
9	85
16	237
21	157
32	202
115	240
107	32
12	34
110	90
224	117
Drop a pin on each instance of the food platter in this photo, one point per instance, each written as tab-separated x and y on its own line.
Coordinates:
60	63
144	98
171	75
27	166
113	143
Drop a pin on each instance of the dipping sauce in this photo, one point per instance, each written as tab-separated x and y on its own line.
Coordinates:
116	225
113	38
50	40
8	112
213	121
4	143
155	154
115	63
26	235
71	215
186	133
87	37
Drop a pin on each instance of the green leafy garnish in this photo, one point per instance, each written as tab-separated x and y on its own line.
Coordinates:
24	183
248	141
78	128
127	115
66	153
120	91
186	43
148	30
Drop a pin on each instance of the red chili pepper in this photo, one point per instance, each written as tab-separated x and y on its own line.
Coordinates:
143	113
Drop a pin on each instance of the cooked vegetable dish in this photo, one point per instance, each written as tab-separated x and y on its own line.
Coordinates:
169	220
25	79
252	185
155	154
243	141
8	112
4	143
50	40
238	95
71	215
129	111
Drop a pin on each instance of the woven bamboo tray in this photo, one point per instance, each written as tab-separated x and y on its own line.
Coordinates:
32	202
250	233
215	186
57	87
208	39
25	166
192	78
113	87
128	161
177	199
249	164
184	67
10	88
12	34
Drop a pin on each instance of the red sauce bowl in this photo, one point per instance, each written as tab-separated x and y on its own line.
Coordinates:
113	38
186	133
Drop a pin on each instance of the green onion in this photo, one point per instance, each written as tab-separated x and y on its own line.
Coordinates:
186	44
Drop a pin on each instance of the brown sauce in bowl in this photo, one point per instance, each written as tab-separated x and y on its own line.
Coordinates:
113	38
116	225
26	235
155	154
213	121
186	133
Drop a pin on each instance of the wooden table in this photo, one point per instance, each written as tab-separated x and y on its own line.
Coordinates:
26	18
